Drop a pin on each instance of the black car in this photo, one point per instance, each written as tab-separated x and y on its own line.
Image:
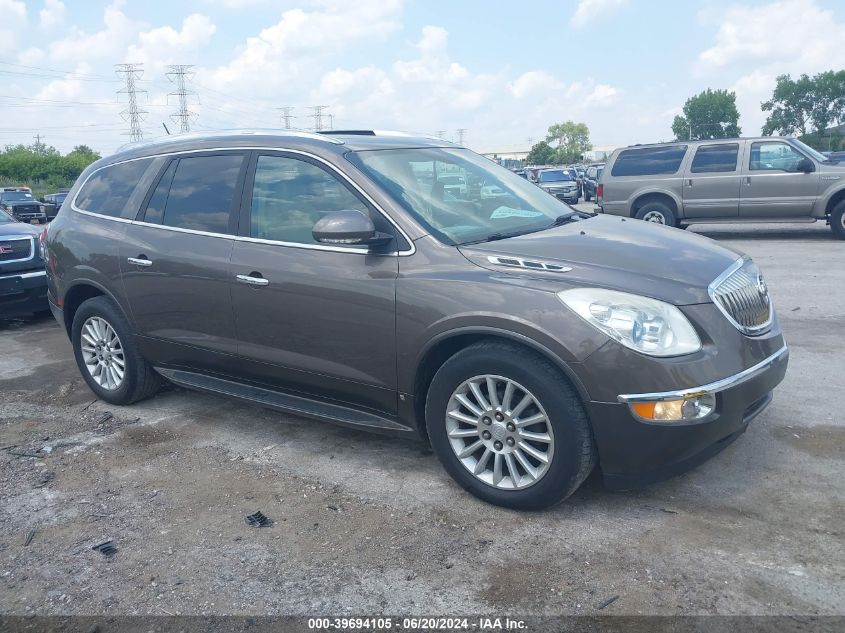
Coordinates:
53	202
21	205
23	280
591	181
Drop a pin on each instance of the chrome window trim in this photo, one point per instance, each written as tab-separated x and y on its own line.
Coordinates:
19	238
37	273
749	331
713	387
333	169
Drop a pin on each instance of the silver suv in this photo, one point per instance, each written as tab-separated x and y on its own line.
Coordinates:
767	179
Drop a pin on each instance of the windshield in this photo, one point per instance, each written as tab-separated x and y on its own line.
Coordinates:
809	150
496	201
15	196
553	175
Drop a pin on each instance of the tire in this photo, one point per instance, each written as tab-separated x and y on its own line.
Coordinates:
837	220
569	447
657	212
138	381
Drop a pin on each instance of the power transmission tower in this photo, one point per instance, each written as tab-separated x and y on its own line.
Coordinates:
180	74
461	134
287	117
132	114
318	116
440	134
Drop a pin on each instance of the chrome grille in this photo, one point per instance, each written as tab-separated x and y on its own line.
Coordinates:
742	296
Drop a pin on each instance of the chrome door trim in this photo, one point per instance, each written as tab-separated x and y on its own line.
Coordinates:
242	148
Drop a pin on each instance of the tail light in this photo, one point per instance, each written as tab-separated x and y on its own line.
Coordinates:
600	191
42	243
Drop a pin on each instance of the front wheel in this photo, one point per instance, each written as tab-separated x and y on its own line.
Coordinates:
837	220
508	427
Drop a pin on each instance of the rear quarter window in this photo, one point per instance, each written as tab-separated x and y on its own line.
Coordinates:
649	161
107	190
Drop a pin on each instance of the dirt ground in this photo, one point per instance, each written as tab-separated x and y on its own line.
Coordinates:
365	524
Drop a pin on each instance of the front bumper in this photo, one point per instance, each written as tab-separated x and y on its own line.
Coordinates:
634	452
23	293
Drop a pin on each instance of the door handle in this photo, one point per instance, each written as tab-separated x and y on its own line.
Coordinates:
748	180
252	280
689	182
139	261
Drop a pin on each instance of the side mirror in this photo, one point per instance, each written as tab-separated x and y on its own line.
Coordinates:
805	165
347	227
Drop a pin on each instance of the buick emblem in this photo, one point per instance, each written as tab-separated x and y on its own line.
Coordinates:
5	250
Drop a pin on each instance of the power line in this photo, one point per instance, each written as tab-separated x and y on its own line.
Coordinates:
287	117
132	72
179	74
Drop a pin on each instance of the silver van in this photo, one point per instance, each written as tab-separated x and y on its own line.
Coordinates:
766	179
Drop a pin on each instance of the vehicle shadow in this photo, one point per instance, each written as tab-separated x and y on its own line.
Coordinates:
38	320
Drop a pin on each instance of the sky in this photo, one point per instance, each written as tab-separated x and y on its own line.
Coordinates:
502	70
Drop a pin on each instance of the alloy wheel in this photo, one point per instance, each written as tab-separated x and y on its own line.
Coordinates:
102	353
500	432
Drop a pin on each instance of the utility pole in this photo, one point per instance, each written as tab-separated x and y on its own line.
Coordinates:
180	74
461	134
530	141
287	117
132	114
331	121
318	116
39	145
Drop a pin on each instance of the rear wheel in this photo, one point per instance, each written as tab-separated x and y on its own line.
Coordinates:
657	212
107	355
837	220
508	427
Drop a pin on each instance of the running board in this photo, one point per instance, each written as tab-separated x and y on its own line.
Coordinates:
740	220
288	403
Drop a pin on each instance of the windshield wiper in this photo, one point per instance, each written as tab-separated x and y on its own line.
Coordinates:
493	237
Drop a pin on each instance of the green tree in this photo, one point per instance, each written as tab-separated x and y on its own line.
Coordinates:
709	114
791	106
42	167
541	154
573	140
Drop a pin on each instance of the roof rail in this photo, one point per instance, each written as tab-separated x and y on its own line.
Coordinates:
161	140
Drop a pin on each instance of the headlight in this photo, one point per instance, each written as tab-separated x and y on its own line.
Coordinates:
642	324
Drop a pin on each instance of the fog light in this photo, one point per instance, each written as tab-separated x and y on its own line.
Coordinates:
689	408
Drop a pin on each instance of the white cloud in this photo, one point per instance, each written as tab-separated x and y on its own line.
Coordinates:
108	43
301	38
588	10
12	18
165	45
602	95
69	88
53	14
532	82
752	42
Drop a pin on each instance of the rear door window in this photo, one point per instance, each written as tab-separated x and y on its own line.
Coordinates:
108	190
649	161
715	158
197	193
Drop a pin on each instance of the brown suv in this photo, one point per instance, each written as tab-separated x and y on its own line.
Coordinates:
337	277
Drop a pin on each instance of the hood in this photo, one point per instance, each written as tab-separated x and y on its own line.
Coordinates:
18	228
619	253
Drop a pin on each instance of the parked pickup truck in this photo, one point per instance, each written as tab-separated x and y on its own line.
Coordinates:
767	179
21	205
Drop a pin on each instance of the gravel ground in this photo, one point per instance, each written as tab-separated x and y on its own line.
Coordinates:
365	524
